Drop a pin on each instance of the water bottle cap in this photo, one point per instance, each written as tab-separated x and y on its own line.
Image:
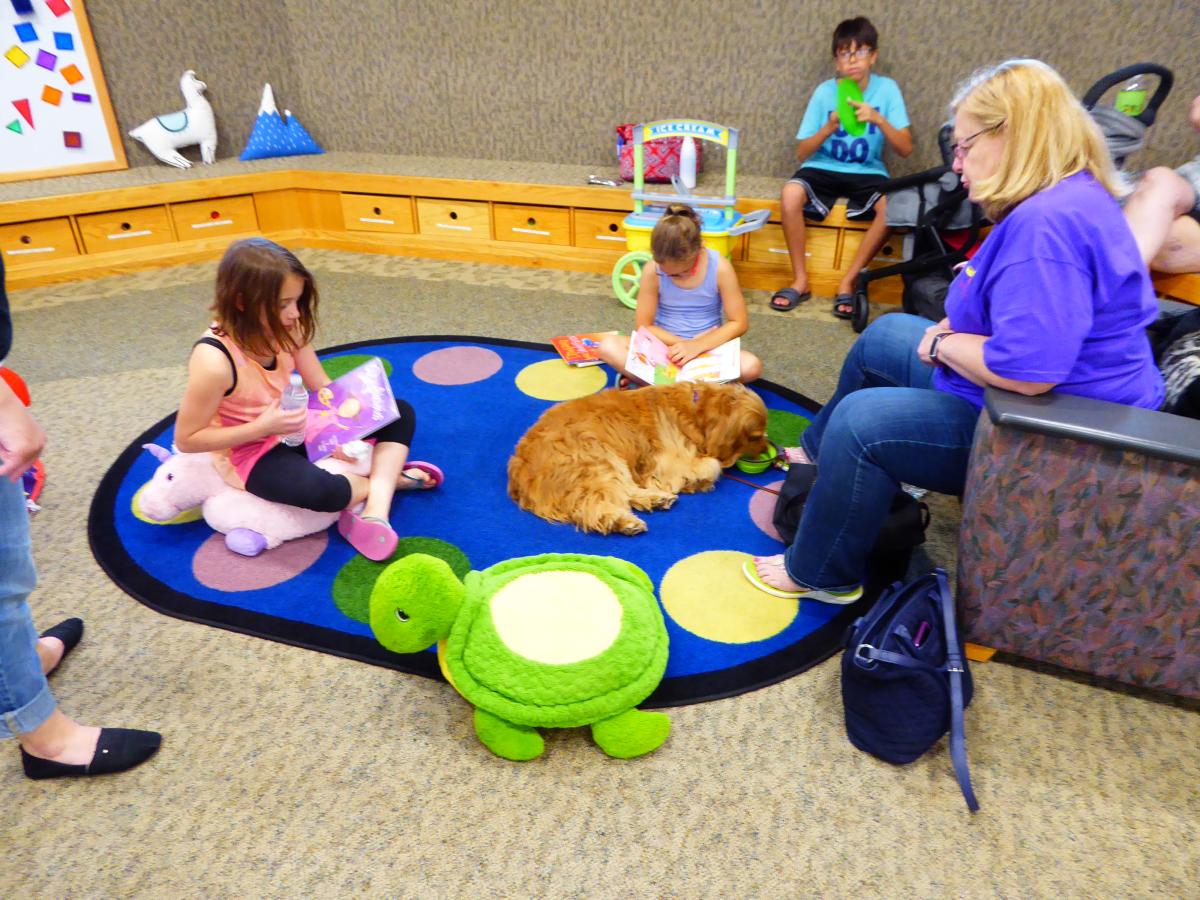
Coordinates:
296	379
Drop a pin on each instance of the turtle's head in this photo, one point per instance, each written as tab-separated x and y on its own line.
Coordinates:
414	603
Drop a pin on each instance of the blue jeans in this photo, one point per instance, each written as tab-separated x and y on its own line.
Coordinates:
25	698
884	425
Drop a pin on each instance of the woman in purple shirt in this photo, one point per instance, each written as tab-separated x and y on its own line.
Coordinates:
1057	298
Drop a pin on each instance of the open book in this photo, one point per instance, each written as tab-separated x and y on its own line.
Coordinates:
648	361
349	408
580	349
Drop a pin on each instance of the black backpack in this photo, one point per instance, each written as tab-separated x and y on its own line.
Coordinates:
902	532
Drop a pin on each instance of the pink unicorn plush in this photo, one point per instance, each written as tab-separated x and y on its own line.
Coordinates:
250	524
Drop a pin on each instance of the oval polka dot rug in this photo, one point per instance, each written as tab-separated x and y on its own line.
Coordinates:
474	398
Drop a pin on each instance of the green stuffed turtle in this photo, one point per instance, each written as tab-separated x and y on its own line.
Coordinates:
551	641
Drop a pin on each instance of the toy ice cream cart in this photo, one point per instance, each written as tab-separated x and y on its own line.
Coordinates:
720	222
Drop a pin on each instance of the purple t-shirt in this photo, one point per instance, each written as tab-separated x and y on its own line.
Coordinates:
1062	293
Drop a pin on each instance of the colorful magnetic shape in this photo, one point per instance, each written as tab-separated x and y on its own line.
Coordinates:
58	7
51	95
23	108
15	125
81	98
16	56
72	140
26	32
63	40
47	60
72	74
23	7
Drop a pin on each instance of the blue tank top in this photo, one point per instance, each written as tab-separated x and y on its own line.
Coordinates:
689	312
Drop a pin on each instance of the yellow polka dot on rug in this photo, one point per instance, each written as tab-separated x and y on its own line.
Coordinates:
554	380
707	595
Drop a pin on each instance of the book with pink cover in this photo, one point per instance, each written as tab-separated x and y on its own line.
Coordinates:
349	408
648	361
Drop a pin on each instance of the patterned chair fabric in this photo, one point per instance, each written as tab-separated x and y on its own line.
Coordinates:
1084	554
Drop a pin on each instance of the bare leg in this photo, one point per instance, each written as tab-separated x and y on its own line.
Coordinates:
751	367
50	652
791	204
61	740
877	234
1161	197
614	350
1181	250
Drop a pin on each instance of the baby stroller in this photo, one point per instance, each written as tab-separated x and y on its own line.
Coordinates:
946	225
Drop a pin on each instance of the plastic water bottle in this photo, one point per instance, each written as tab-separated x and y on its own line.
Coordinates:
295	397
1131	98
687	162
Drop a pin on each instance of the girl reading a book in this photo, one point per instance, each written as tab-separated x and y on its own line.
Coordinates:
264	317
690	298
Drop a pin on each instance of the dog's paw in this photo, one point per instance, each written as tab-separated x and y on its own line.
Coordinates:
631	525
648	500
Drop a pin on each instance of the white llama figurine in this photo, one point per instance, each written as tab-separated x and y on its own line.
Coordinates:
163	135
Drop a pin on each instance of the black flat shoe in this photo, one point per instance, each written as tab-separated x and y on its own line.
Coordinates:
117	750
70	632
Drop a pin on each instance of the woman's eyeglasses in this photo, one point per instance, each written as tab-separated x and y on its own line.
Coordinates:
860	53
960	149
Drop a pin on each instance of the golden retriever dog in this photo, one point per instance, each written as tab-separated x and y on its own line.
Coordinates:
592	460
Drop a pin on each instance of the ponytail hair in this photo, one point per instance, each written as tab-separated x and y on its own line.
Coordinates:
677	234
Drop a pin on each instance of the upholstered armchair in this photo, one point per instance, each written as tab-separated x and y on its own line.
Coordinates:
1080	538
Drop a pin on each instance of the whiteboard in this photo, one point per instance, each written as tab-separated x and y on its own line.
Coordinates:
55	114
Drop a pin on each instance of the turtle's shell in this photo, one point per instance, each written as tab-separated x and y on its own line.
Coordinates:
558	640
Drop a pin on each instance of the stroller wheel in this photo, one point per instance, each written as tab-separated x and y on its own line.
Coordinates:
862	311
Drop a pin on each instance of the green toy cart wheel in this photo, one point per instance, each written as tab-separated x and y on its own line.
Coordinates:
627	276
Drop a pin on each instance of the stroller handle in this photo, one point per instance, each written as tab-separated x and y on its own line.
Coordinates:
1166	80
752	222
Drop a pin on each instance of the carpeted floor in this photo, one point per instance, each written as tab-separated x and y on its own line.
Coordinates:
290	773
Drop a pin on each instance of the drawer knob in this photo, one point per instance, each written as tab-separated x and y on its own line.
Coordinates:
26	239
125	226
613	227
453	214
214	215
378	211
531	221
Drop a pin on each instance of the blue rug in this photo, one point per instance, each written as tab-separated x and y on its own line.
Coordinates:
474	398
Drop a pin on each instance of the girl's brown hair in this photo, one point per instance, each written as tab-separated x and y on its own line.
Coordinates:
677	234
249	279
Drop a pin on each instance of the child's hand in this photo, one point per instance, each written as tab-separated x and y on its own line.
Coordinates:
865	112
834	122
274	420
683	352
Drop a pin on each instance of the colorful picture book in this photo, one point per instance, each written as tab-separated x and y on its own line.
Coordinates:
580	349
349	408
648	361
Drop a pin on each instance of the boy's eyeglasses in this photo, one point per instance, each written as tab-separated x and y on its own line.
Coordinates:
960	149
860	53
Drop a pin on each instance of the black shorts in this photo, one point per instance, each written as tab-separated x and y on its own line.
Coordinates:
824	187
284	474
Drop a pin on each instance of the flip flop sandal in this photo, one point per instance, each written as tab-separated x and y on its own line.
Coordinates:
846	300
792	298
434	480
373	538
839	598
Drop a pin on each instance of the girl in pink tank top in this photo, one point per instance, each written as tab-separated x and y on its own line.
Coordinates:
265	314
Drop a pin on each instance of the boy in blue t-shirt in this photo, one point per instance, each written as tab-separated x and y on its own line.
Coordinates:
836	164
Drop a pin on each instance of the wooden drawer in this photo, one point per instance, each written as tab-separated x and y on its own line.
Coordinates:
600	228
454	218
532	224
768	246
28	242
374	212
891	252
125	228
212	218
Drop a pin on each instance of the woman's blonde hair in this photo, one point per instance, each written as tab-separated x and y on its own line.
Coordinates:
1049	135
677	234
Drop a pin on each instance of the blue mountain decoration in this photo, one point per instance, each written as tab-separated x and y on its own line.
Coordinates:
276	135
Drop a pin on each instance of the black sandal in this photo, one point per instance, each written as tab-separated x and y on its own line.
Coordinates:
791	299
843	306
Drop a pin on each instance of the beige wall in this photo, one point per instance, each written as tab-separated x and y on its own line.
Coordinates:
546	80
